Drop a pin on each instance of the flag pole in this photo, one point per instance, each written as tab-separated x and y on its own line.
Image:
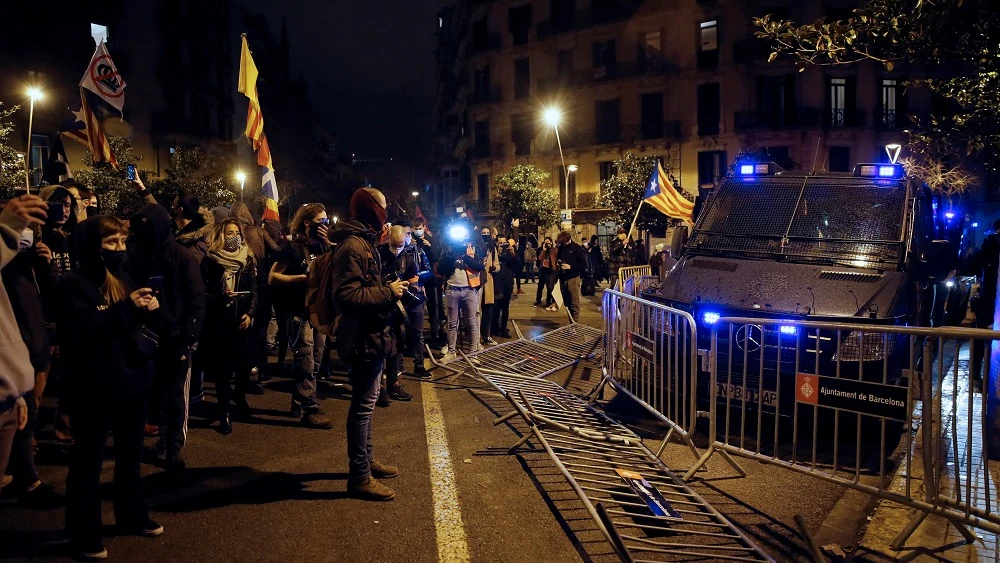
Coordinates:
632	228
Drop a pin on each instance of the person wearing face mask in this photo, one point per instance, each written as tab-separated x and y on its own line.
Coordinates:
290	277
156	259
622	251
230	274
109	361
415	315
364	303
423	238
55	232
397	264
546	262
491	266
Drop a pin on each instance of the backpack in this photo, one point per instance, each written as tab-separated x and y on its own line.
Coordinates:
319	299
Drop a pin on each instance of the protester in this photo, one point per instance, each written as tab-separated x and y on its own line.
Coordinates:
597	259
277	233
529	263
491	265
462	268
985	263
433	287
622	251
192	225
656	260
504	285
156	260
290	272
415	315
263	248
640	258
519	252
572	263
397	264
108	348
230	274
547	258
17	376
56	230
363	302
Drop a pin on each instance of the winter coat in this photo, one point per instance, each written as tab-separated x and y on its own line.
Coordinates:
17	377
223	311
504	280
194	235
362	300
552	254
491	265
573	254
530	255
261	245
153	252
20	278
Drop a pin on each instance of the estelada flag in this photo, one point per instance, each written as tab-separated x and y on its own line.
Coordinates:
103	79
247	84
97	141
661	194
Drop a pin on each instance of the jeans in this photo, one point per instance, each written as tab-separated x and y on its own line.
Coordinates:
8	427
91	422
572	295
462	300
365	378
545	281
529	272
304	365
171	385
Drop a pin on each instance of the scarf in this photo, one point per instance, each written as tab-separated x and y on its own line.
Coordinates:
231	262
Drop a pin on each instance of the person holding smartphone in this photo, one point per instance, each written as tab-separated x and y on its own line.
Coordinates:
59	224
109	353
230	273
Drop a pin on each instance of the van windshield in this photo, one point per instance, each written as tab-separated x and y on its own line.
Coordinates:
848	221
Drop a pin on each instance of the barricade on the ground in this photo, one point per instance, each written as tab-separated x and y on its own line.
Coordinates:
651	355
627	276
582	340
642	508
835	400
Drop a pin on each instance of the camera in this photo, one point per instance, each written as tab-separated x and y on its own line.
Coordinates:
411	296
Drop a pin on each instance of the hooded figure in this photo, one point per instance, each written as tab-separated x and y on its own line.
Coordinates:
198	223
261	244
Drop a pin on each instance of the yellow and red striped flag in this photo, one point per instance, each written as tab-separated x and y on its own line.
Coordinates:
97	141
661	194
254	131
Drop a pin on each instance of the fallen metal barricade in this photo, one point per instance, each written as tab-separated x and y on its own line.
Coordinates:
642	508
651	355
582	340
830	400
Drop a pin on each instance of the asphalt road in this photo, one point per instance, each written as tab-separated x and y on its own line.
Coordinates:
274	491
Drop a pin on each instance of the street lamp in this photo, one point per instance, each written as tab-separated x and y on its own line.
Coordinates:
242	179
414	193
553	116
34	93
334	219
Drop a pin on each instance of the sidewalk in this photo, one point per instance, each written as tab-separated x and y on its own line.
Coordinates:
936	539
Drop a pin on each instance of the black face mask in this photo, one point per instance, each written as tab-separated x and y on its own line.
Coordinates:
92	210
487	239
113	259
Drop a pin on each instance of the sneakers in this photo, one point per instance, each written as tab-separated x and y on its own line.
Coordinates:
397	393
148	530
381	470
552	308
421	372
505	334
370	489
489	341
536	304
316	420
449	356
383	398
42	497
92	553
519	292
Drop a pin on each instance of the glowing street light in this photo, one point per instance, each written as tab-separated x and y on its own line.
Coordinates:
552	115
414	193
242	178
34	93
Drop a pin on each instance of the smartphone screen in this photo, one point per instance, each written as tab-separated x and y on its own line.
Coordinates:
156	284
130	172
56	211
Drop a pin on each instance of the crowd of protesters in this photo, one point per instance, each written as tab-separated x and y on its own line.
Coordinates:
128	317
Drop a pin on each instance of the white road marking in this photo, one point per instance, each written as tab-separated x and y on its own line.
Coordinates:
451	542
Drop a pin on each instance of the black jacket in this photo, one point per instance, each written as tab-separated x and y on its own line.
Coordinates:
20	278
362	300
153	252
503	281
573	254
194	235
221	310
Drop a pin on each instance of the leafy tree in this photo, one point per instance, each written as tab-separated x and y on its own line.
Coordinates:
957	41
116	196
205	174
11	165
519	197
622	193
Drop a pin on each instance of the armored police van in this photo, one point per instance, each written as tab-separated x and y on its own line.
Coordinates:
872	247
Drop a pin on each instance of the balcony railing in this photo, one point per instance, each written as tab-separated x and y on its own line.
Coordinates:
788	118
890	120
490	150
583	19
617	71
840	117
487	96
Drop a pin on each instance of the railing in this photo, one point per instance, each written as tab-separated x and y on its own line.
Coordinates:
492	150
889	120
840	117
788	118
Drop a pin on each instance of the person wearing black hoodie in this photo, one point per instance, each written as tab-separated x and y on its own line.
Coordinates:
364	304
192	224
156	260
102	324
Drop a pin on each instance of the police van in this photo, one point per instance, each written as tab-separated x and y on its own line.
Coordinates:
873	247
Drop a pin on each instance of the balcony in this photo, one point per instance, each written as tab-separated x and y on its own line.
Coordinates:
493	151
618	71
621	135
484	44
602	14
839	118
789	118
487	96
889	120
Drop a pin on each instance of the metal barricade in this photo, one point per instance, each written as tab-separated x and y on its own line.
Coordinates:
627	275
651	355
833	401
645	283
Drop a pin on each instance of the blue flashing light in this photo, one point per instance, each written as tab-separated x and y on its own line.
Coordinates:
710	317
949	215
974	225
790	330
883	171
746	169
887	171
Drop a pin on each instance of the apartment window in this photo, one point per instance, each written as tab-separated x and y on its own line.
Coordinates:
520	23
481	84
709	113
481	130
775	100
564	62
605	170
520	134
561	174
838	97
563	13
780	155
39	156
522	78
711	165
483	187
890	99
652	115
604	59
840	159
708	51
480	35
607	117
651	55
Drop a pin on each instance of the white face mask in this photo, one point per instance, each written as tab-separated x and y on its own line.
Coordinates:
419	232
27	239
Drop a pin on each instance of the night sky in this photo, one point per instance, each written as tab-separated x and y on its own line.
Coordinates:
369	65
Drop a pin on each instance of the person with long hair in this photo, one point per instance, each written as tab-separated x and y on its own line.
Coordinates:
230	273
290	274
108	350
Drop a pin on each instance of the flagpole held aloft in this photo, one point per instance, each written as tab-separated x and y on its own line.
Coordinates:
632	228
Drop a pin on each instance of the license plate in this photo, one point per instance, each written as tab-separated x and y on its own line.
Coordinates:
744	394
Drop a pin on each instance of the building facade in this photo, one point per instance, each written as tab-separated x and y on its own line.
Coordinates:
682	80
